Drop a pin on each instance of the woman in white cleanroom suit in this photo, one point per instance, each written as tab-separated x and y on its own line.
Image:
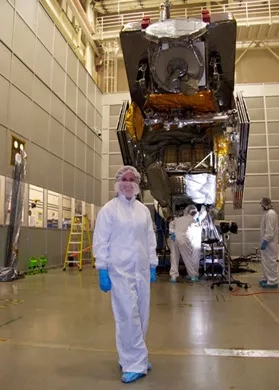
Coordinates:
269	245
124	245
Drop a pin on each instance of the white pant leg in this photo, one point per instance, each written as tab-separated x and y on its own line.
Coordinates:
189	258
131	347
269	262
175	255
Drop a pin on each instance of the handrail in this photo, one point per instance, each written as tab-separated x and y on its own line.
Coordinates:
251	12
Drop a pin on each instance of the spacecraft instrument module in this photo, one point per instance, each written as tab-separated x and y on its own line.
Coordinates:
185	130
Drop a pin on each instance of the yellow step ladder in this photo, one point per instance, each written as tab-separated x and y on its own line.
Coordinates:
79	236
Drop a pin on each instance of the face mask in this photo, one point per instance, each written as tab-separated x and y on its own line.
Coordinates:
127	188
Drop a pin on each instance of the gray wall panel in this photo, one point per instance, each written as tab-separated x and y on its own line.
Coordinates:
56	138
4	99
43	63
39	129
37	158
72	65
21	76
68	179
69	147
24	42
45	29
19	112
6	23
55	182
32	108
5	59
57	108
58	80
41	95
60	48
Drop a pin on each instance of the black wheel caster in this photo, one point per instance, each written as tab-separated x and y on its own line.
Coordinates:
80	269
246	287
218	284
212	287
64	269
230	288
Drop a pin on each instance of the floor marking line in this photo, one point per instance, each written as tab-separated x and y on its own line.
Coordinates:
206	352
267	309
10	321
247	353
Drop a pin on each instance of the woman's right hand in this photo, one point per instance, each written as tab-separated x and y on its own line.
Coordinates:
104	280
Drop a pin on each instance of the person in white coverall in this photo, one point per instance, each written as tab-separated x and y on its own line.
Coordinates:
186	235
124	245
269	245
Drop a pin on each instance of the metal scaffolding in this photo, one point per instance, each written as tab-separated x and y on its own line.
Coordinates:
111	49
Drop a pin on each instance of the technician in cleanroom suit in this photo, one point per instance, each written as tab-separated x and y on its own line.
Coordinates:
269	245
124	246
186	235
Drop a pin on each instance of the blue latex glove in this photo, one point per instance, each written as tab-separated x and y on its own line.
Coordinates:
153	275
104	280
264	245
173	237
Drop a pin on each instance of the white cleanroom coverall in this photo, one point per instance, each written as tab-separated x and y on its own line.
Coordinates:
125	243
269	233
188	234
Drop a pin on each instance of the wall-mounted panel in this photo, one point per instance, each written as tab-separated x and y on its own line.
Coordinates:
42	94
58	80
57	109
37	158
6	23
43	63
68	179
19	112
28	12
21	76
72	65
80	181
81	110
80	154
60	48
90	161
56	138
5	60
71	120
4	99
39	129
45	29
55	181
69	147
82	79
71	94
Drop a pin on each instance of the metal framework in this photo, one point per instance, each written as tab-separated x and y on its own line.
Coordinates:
111	49
246	13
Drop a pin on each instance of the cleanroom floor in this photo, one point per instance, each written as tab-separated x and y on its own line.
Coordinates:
57	333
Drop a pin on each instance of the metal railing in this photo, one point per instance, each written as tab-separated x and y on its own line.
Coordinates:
246	13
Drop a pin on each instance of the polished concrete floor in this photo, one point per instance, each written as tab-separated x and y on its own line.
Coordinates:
57	333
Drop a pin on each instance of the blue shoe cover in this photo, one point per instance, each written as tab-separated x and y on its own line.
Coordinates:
129	377
262	281
173	280
265	285
149	367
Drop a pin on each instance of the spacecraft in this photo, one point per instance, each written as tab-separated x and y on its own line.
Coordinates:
185	129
